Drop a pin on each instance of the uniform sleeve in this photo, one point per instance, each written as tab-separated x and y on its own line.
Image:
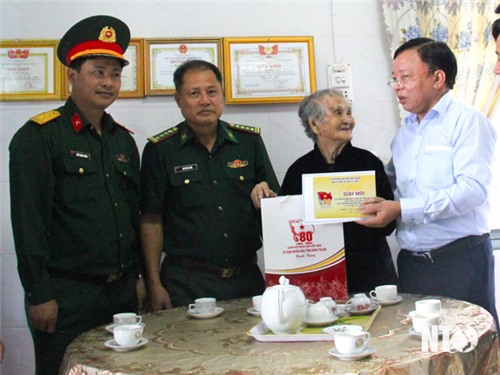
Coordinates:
31	194
154	180
263	168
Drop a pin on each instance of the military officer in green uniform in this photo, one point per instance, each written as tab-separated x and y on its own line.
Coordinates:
196	206
74	188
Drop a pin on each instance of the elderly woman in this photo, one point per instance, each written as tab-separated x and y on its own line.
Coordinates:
327	120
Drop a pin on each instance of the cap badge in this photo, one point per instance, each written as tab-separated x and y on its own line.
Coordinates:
107	35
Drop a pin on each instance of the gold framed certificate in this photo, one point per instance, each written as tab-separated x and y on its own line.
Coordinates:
132	74
269	69
29	70
336	197
163	56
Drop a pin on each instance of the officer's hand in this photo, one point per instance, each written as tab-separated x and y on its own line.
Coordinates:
382	211
260	191
142	298
43	317
159	299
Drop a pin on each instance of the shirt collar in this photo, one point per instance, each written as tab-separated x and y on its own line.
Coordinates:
439	109
80	122
223	134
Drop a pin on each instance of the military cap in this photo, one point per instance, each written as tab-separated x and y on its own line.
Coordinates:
94	36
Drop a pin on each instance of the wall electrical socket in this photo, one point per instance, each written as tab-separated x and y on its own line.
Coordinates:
340	78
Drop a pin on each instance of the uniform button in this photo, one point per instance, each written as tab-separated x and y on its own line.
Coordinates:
124	173
186	181
81	170
242	178
116	204
220	208
226	235
120	235
214	182
107	174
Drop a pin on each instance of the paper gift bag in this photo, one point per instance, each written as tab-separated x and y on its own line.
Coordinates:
311	256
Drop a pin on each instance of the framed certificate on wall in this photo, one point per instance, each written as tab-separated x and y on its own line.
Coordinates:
163	56
29	70
268	69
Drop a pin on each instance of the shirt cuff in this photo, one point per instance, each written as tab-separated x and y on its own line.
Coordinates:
412	209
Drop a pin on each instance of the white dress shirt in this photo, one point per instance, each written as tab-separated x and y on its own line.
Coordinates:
440	171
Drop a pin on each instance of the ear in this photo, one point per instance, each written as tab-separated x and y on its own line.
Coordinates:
177	99
71	74
313	125
439	79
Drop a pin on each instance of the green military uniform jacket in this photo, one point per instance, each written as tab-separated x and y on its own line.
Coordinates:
74	199
205	196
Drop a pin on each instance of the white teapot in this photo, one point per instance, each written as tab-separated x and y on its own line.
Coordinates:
283	307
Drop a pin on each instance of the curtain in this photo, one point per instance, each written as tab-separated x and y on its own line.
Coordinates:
464	25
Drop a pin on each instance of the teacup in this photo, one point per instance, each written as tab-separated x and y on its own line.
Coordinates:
385	293
330	303
256	301
358	302
126	318
318	312
128	334
428	306
420	321
351	342
203	305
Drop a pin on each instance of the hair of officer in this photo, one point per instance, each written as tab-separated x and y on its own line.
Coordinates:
77	64
194	65
495	28
437	55
313	108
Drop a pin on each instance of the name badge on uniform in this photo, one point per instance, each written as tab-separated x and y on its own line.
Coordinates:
185	168
79	154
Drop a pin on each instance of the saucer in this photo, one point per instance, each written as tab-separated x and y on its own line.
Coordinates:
111	326
352	357
342	328
252	311
125	348
313	323
415	333
198	315
388	303
373	307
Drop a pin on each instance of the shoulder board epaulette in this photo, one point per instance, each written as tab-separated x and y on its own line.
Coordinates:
124	128
245	128
166	134
46	117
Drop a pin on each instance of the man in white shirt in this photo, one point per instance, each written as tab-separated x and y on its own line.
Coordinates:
440	171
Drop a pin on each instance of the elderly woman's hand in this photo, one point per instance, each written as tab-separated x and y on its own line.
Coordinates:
260	191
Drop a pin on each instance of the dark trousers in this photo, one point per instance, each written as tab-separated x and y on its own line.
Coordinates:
82	306
463	269
184	284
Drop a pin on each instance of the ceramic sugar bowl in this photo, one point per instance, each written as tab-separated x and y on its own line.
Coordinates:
283	307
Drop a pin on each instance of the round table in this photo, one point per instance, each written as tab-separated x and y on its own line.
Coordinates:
180	344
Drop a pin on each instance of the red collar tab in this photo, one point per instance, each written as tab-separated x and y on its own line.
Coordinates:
76	123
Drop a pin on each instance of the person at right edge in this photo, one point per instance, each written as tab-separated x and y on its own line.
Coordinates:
440	171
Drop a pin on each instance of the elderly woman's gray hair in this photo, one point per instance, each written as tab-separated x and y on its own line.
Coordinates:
312	108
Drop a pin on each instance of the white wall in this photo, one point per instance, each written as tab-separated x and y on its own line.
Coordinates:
359	40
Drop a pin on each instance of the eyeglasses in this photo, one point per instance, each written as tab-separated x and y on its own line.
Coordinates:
405	79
